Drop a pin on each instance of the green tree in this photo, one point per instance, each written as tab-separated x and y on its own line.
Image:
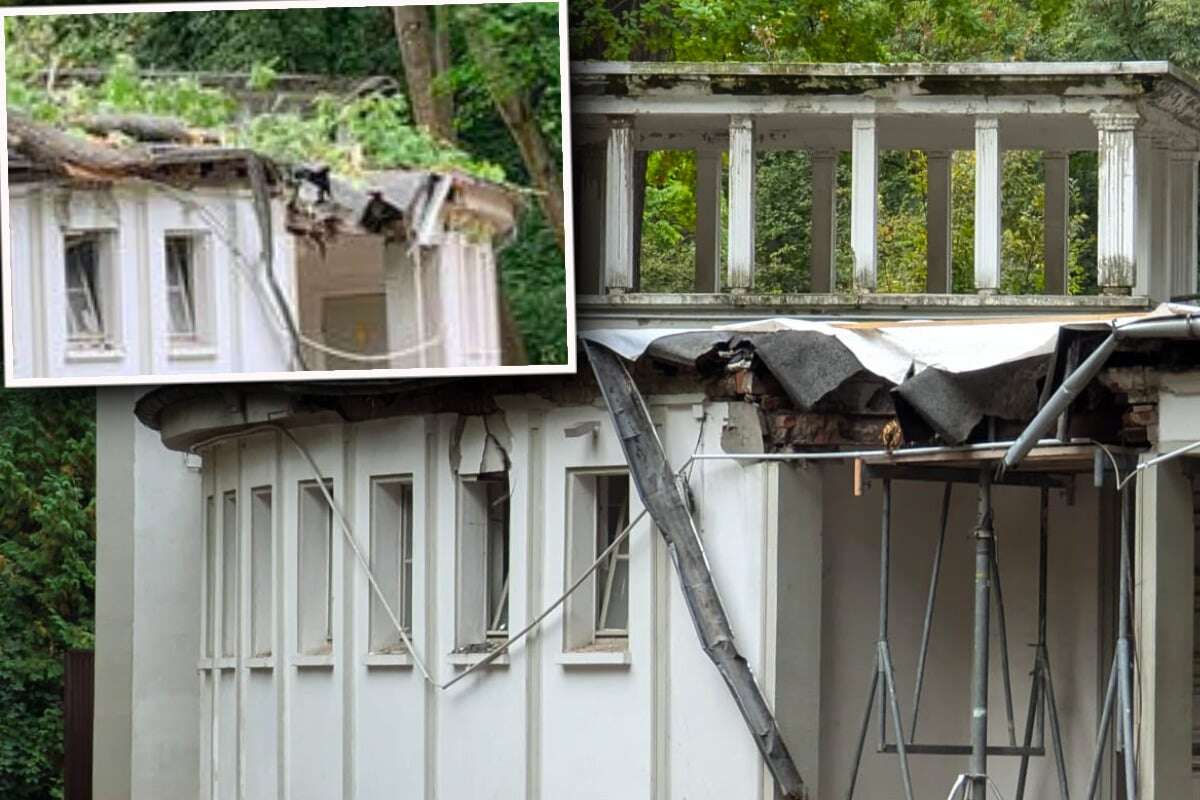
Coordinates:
47	557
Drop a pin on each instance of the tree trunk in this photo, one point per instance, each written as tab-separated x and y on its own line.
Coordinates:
516	109
421	50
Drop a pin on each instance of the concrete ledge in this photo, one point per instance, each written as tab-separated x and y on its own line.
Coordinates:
387	660
595	658
598	311
464	660
319	661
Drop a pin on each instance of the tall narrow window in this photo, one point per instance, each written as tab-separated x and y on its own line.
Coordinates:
612	577
483	560
85	311
315	570
210	577
391	560
261	584
597	514
229	574
181	285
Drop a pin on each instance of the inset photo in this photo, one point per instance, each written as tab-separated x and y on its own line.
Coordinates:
332	192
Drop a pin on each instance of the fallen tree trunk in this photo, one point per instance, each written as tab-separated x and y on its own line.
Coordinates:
146	128
662	497
72	154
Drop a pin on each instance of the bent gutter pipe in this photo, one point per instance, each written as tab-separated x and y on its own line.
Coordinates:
1152	328
262	207
662	497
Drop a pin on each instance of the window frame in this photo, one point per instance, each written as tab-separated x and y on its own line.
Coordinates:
98	289
382	638
262	574
483	583
196	296
307	490
582	615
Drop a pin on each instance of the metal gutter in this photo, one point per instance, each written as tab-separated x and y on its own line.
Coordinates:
1186	327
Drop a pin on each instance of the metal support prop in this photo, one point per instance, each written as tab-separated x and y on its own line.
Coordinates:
979	657
1120	679
883	676
660	493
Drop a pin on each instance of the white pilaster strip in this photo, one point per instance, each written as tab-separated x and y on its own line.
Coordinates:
1116	224
741	202
1182	235
939	265
708	221
822	267
987	205
618	207
864	201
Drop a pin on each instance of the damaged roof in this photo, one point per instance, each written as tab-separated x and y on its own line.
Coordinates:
163	149
940	378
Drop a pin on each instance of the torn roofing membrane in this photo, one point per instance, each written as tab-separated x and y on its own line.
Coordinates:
944	376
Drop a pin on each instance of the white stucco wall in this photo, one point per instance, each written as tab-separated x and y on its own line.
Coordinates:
147	595
795	557
237	335
851	623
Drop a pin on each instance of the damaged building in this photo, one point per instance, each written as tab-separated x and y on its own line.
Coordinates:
162	254
839	544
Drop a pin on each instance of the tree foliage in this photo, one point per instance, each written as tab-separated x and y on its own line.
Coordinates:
47	557
375	131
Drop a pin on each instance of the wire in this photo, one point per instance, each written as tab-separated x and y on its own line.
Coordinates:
242	263
348	534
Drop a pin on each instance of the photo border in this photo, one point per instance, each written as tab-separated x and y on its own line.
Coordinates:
11	381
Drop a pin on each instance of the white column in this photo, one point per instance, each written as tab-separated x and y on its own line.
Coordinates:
589	218
1182	234
708	221
1116	223
1163	632
741	203
987	205
939	265
1056	225
822	266
1154	275
864	201
618	207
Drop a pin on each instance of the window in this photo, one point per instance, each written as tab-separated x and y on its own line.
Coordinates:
315	570
210	576
229	574
180	257
483	560
84	256
391	560
597	513
612	576
261	583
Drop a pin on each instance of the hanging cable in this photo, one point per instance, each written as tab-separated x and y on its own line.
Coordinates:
348	534
276	309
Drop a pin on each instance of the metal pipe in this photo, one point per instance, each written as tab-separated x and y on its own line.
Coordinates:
1148	328
1002	624
1124	663
1071	386
929	606
885	569
834	455
1055	729
655	482
864	728
1102	733
889	675
1030	721
979	660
